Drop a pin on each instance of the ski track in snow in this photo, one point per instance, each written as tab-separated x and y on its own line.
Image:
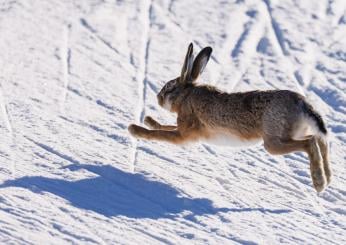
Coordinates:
7	121
75	175
93	31
4	112
143	77
66	61
276	29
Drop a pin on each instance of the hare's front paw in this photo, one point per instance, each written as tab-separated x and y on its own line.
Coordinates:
151	123
137	131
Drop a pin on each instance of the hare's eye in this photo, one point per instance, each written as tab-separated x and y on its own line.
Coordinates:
169	90
170	87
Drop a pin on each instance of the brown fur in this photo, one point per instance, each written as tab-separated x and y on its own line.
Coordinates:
203	111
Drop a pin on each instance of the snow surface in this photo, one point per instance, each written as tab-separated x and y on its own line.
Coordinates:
75	74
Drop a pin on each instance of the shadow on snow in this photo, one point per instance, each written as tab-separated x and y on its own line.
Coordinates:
114	192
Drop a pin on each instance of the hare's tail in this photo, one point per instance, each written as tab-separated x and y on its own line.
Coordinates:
316	117
311	124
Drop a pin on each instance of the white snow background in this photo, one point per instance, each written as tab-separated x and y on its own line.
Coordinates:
75	74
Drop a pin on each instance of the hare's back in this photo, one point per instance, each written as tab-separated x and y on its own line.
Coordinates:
236	114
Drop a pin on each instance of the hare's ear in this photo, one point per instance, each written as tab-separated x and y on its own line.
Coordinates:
187	67
200	62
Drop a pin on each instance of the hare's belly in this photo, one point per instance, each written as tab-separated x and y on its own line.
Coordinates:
226	139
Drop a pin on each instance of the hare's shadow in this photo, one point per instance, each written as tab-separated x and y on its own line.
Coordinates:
114	192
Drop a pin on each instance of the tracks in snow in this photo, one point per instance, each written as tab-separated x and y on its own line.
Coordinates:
142	77
276	29
279	40
5	114
95	34
7	121
66	62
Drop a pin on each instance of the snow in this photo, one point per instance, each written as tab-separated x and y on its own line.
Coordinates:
75	74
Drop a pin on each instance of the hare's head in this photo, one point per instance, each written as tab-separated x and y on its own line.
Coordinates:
192	68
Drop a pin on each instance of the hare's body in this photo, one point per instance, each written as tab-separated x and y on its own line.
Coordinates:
281	119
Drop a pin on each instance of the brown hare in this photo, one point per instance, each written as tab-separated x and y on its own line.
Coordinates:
282	119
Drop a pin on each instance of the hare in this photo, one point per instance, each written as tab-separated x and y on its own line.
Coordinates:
283	120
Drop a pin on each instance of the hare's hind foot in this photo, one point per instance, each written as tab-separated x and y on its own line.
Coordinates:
320	172
324	148
317	167
328	174
319	179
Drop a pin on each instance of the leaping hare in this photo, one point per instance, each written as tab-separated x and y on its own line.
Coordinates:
282	119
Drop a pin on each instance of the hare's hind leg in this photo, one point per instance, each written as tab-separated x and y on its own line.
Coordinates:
316	165
278	146
153	124
323	145
275	145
